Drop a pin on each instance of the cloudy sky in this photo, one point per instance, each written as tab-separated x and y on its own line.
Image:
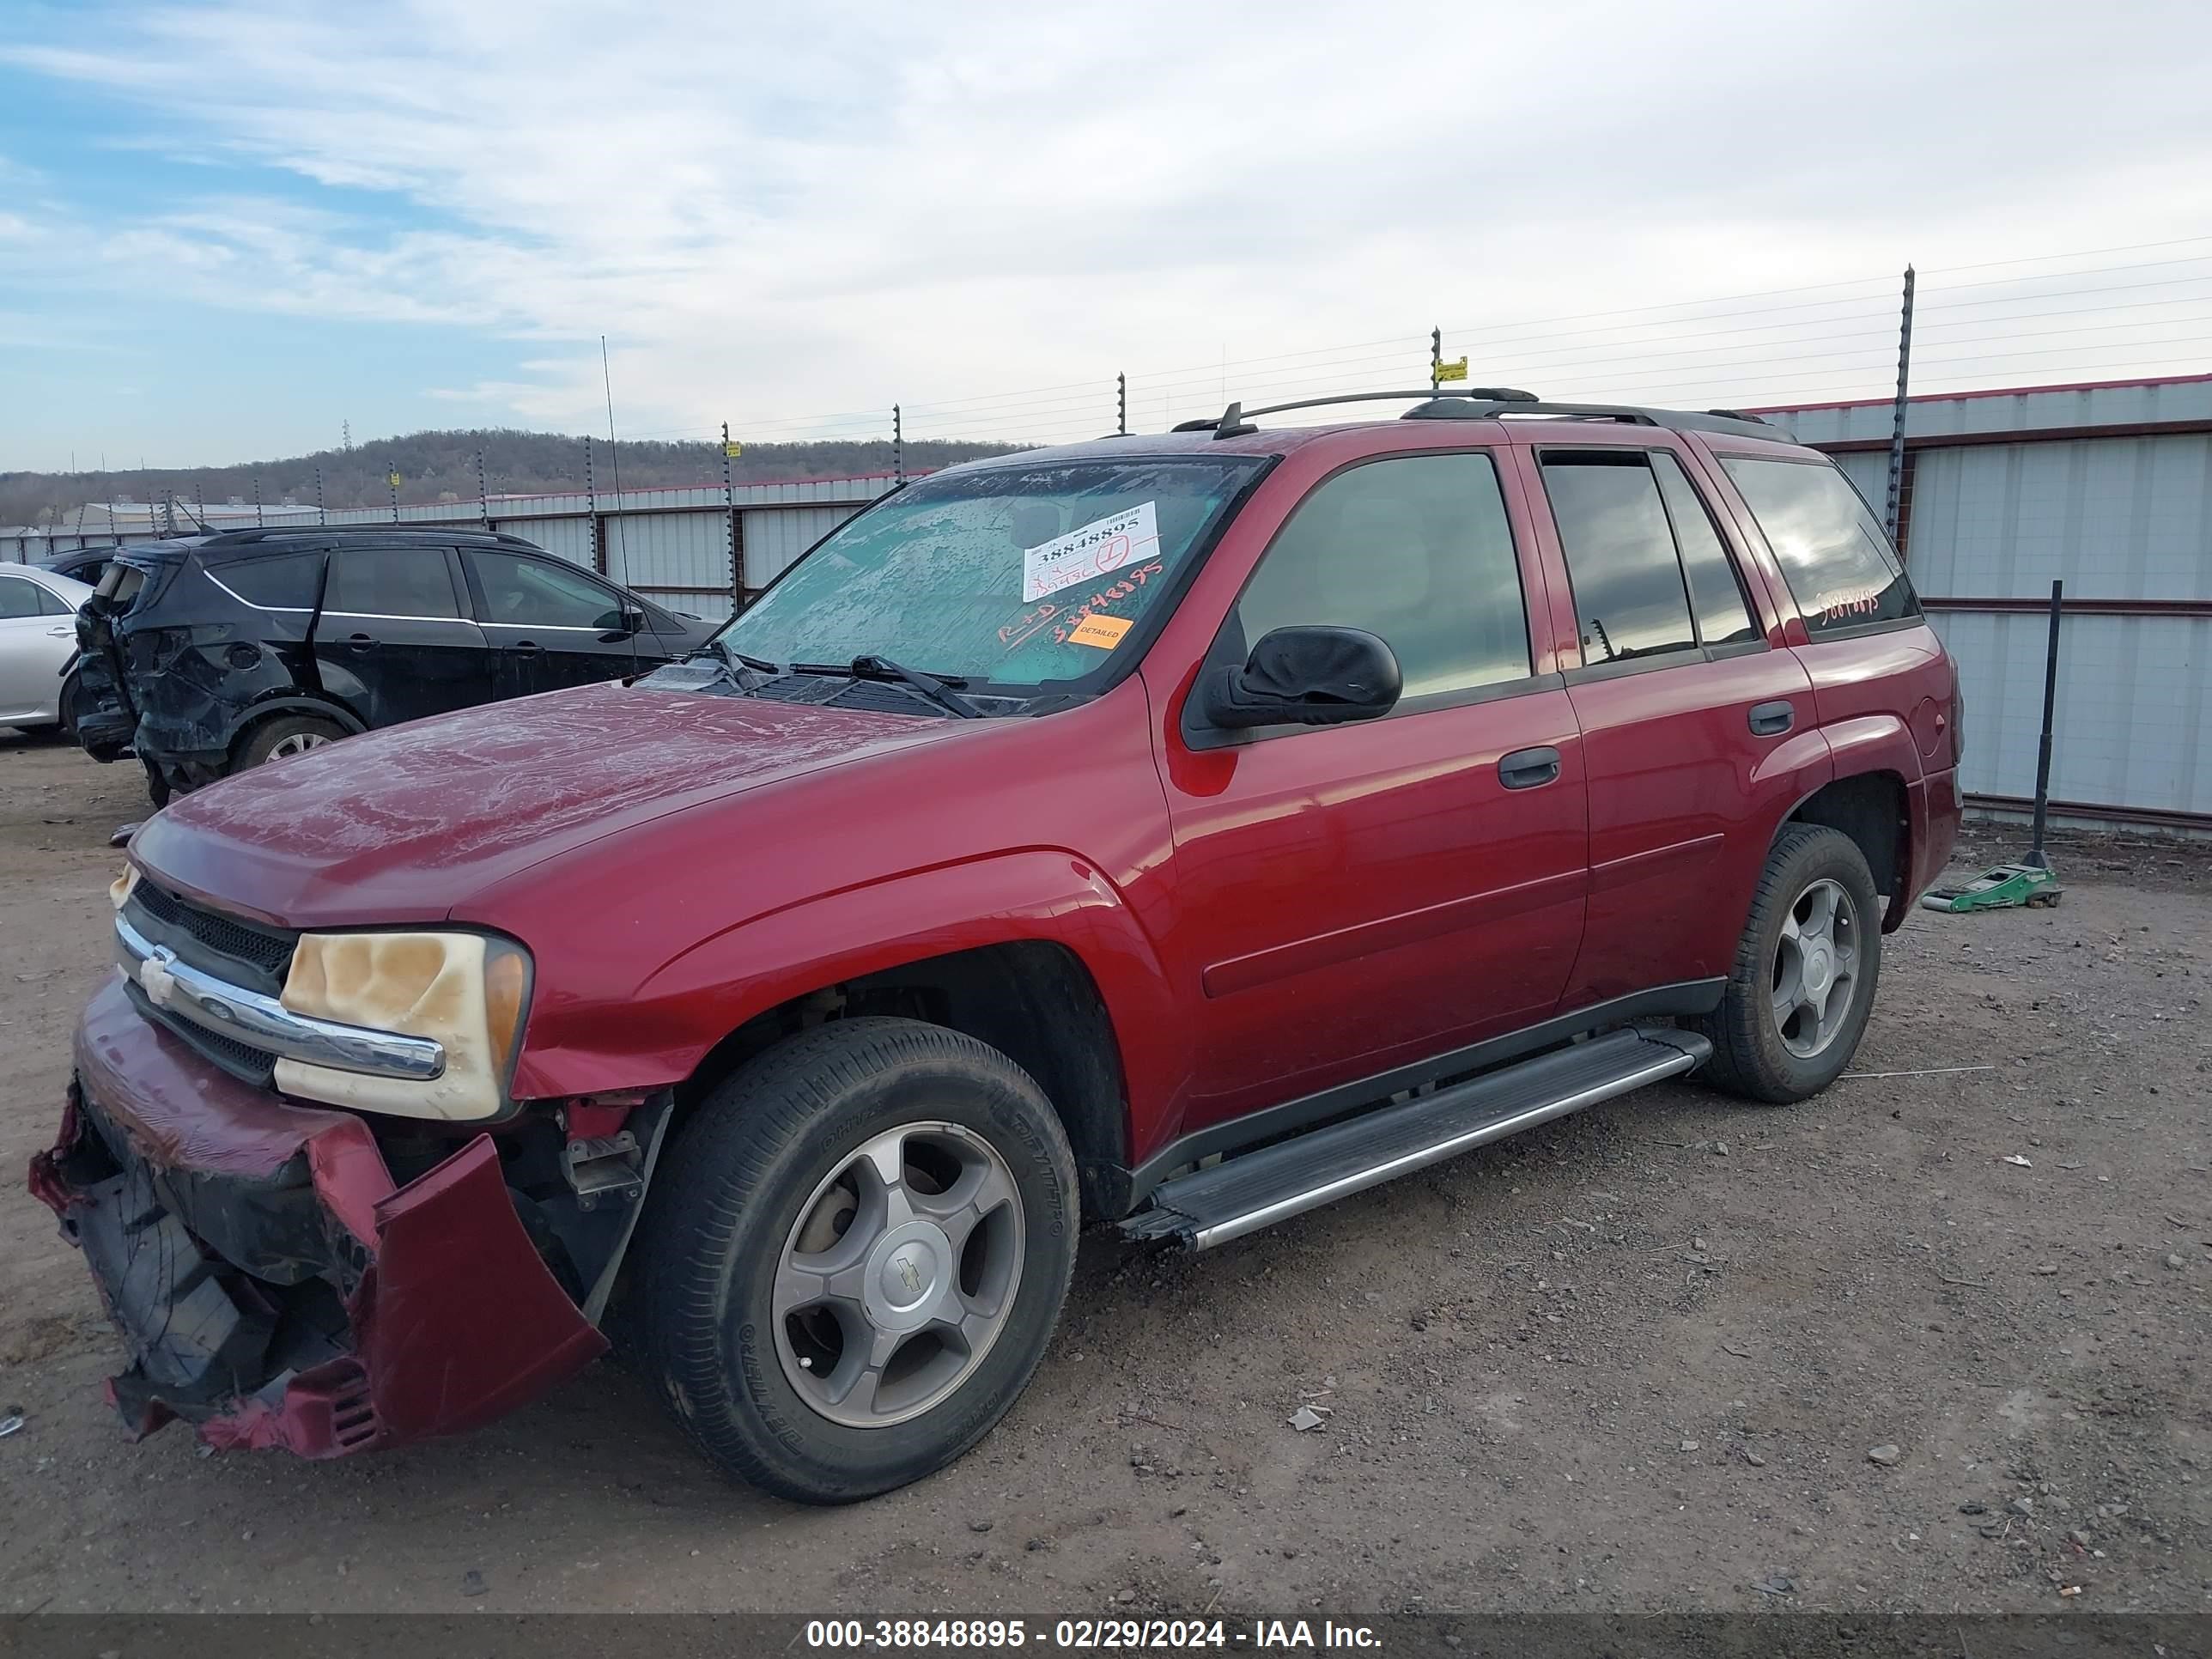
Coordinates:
227	227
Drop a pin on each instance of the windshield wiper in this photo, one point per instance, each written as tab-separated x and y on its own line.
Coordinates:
883	668
738	658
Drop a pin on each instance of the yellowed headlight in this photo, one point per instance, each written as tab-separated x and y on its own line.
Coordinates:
467	992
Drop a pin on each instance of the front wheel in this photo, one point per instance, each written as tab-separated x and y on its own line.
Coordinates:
858	1258
1803	982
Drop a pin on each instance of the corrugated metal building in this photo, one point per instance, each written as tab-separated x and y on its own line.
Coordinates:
2108	488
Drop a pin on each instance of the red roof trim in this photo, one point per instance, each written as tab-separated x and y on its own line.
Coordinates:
1989	392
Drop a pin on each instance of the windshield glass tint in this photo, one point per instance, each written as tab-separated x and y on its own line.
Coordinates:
1016	575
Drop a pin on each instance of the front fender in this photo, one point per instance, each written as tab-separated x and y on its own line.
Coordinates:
659	1034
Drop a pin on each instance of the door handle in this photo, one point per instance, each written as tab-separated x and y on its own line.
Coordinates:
1528	769
527	648
361	642
61	633
1772	720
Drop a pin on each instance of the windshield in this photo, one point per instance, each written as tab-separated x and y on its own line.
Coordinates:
1013	575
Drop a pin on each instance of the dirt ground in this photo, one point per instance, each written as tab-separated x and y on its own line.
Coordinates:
1637	1359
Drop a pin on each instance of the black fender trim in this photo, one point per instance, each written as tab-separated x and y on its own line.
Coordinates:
254	713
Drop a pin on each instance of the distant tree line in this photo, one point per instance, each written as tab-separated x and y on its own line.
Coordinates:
442	465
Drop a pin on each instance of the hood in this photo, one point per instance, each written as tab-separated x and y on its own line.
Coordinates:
403	824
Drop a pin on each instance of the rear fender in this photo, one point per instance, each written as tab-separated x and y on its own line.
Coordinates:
1874	743
295	705
661	1033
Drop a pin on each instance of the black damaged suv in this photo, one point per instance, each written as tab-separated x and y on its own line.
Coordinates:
227	650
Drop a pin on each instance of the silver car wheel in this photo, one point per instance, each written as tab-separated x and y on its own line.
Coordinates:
1816	971
898	1274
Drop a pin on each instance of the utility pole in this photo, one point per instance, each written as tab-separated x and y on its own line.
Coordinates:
1893	511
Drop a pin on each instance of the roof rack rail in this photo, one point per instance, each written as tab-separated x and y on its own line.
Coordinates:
1455	407
1232	423
276	532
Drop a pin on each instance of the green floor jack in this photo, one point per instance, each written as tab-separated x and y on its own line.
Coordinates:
2031	881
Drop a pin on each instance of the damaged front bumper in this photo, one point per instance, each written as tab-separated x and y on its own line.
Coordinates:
277	1287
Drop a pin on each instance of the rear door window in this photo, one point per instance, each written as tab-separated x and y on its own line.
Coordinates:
1839	565
285	583
52	604
1630	600
390	581
18	597
537	594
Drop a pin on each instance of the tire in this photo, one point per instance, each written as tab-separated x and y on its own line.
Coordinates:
758	1183
65	706
274	739
1757	1053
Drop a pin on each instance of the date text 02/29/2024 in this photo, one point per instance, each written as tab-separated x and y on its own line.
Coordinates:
1109	1633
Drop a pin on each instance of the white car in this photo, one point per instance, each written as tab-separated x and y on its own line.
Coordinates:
38	637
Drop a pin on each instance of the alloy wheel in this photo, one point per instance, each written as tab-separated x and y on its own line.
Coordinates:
1816	972
898	1274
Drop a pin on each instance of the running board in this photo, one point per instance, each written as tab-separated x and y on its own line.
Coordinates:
1256	1189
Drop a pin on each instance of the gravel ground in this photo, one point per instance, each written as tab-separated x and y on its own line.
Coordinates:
1928	1342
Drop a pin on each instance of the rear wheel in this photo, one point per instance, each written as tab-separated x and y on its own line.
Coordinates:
1803	981
68	708
286	736
858	1257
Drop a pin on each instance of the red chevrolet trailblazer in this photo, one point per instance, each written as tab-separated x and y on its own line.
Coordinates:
1174	832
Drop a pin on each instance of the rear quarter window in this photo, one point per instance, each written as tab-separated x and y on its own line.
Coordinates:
1839	565
283	583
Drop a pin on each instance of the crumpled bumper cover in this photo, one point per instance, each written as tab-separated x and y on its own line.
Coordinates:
275	1288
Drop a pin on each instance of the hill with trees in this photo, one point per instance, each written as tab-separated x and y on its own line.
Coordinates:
436	466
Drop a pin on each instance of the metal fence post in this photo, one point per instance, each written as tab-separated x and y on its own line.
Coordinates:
392	479
730	522
592	496
258	524
1436	358
322	507
483	492
898	446
1122	405
2036	856
1890	512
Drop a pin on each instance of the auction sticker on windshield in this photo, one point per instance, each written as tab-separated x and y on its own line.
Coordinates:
1104	632
1086	554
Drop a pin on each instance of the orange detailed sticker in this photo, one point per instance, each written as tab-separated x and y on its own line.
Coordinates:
1104	632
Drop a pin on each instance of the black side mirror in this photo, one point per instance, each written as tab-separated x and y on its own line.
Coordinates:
1304	677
